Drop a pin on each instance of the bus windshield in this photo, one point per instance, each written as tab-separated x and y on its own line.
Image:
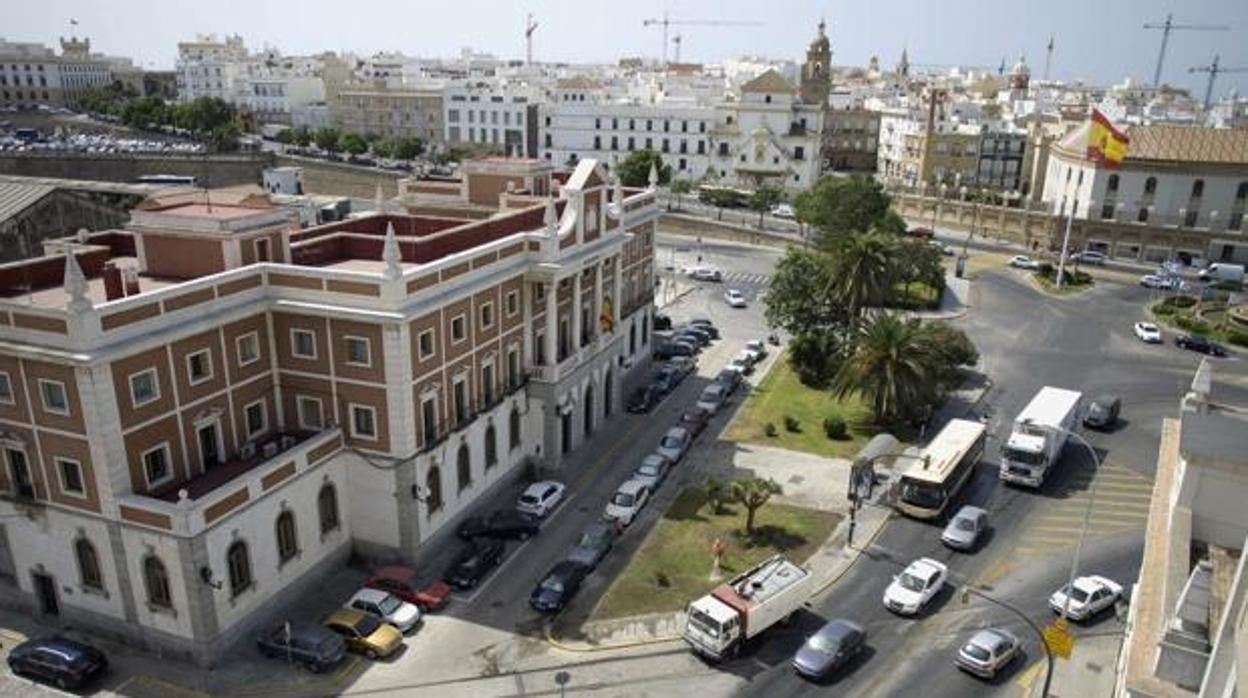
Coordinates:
929	495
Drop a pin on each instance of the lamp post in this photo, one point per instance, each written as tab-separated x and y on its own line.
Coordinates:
1048	653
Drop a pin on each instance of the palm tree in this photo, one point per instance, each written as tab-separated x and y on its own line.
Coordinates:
863	270
892	366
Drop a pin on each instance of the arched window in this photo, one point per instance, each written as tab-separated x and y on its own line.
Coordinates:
239	563
491	447
1150	185
88	564
156	579
327	507
1112	184
513	429
433	482
287	540
463	467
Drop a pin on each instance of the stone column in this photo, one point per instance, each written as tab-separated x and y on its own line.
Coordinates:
552	322
526	309
576	311
595	321
617	291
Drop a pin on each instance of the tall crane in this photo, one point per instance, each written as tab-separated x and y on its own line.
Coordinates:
676	45
530	26
666	22
1169	26
1214	71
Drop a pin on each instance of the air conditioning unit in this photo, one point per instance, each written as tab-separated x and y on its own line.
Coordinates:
288	442
248	451
270	449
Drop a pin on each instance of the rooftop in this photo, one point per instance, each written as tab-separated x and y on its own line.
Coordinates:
1215	440
1188	144
223	212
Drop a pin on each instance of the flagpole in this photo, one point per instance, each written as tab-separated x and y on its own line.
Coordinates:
1061	262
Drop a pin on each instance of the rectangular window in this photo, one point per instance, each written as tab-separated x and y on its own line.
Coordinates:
363	422
257	418
457	329
487	315
309	409
71	476
424	344
459	394
513	368
429	418
156	465
303	344
487	384
199	366
143	387
513	307
6	389
358	351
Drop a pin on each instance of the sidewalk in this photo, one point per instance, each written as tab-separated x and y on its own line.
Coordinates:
1088	673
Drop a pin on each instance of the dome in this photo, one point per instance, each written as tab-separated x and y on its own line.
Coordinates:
1020	68
820	42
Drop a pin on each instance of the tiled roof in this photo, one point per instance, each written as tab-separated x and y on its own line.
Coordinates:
580	82
1188	144
16	197
770	81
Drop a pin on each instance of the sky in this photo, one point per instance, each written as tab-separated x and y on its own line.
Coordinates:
1100	41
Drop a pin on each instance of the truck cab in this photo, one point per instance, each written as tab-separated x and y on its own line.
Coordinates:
1024	460
712	629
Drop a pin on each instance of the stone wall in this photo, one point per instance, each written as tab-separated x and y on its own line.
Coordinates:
211	170
339	179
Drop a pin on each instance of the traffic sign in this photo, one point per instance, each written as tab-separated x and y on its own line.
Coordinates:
1058	638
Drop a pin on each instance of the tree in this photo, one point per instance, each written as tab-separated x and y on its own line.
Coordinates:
716	493
383	149
863	270
286	136
635	170
802	297
753	493
301	137
764	199
353	143
953	348
408	148
327	138
893	366
680	187
841	206
144	112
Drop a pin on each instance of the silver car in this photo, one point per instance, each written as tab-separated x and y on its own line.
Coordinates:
987	652
593	544
965	528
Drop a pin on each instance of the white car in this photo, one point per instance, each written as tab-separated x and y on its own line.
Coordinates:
734	298
782	211
387	607
915	586
540	498
652	471
757	349
1158	281
705	274
1090	595
627	502
1020	261
674	444
1148	332
713	397
987	652
742	364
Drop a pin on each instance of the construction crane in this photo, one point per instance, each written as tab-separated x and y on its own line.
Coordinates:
530	26
1169	26
676	45
1214	71
666	22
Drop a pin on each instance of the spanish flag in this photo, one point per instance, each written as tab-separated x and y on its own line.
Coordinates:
1106	144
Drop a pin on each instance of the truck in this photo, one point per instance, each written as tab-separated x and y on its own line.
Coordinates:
718	624
1220	272
1039	433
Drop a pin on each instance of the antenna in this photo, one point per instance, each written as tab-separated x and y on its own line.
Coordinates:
530	26
676	45
1048	58
1169	26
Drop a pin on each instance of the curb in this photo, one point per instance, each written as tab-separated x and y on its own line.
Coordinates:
857	553
557	644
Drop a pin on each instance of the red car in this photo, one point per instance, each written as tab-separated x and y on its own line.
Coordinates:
404	583
921	232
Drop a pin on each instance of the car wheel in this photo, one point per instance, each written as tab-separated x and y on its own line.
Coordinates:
523	535
371	655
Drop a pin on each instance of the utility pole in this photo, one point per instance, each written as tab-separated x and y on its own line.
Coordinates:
1169	26
530	26
676	45
1214	71
1048	58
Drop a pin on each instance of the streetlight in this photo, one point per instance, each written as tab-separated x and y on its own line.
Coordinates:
1048	652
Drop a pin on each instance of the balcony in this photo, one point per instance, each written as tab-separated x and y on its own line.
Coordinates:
446	428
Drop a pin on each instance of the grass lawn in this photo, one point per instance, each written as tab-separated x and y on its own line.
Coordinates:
673	565
1067	288
919	296
780	394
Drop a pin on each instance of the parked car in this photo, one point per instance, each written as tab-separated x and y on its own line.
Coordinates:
734	298
404	583
728	379
742	363
540	498
675	347
1148	332
558	587
652	471
365	634
314	647
705	325
918	584
758	348
713	397
1020	261
921	231
1159	281
701	321
665	380
782	211
627	502
593	545
1088	257
1199	344
987	652
473	563
387	607
674	444
694	420
1103	412
684	365
58	660
965	528
500	524
829	648
644	399
706	274
700	336
1088	596
662	322
944	248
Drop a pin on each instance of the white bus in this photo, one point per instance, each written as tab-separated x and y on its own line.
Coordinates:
169	179
941	469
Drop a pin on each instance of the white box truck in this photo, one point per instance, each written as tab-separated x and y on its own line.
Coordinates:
1223	272
1038	436
718	624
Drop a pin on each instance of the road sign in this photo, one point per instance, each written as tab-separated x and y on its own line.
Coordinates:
1058	638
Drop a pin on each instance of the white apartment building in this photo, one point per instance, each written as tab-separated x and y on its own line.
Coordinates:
207	67
501	114
32	74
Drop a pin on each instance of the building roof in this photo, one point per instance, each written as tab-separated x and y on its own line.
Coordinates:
579	82
769	81
1214	440
16	197
1188	144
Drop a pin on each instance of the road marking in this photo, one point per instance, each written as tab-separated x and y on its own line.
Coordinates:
1027	677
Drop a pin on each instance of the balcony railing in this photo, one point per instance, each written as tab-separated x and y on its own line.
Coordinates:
444	429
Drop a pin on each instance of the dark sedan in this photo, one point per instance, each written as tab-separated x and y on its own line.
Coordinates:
694	420
473	563
58	660
1103	412
500	524
1199	344
593	544
829	648
644	399
314	647
558	587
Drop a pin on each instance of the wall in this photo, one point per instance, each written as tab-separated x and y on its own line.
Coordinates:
320	177
220	170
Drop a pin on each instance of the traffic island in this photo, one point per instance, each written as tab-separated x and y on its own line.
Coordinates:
1045	279
1210	317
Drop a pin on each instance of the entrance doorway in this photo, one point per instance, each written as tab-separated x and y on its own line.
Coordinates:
45	593
565	432
209	445
607	391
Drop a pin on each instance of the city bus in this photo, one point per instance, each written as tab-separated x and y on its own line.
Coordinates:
941	468
169	179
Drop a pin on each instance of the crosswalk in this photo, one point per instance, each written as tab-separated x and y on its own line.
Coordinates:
741	277
1121	504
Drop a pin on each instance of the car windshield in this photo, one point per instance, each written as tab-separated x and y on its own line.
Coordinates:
1097	409
964	524
327	646
1024	457
975	652
589	539
366	625
389	605
648	469
623	499
922	494
553	584
670	442
824	643
528	499
910	582
703	622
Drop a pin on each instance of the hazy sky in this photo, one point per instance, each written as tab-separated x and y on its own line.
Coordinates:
1100	40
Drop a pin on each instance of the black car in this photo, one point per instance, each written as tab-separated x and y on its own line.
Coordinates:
1199	344
58	660
500	524
314	647
695	332
704	325
1103	412
473	563
666	379
730	379
644	399
662	322
558	587
675	348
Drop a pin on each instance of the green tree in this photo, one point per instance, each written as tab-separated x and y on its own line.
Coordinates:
144	111
840	206
893	366
286	136
327	138
408	148
954	350
815	356
383	148
635	170
753	493
680	187
353	143
862	270
716	493
802	297
301	137
764	199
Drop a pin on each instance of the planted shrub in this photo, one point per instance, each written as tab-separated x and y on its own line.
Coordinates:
791	423
1163	308
834	428
1192	324
1237	337
769	429
1179	301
